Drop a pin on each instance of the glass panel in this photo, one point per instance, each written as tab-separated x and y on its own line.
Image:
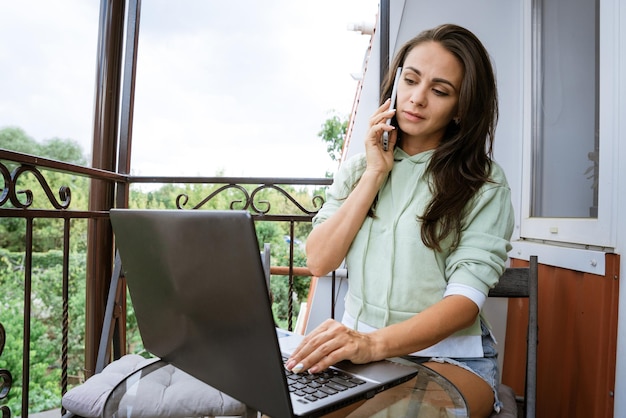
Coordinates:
566	142
242	88
48	63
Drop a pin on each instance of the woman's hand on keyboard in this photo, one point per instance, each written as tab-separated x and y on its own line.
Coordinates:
330	343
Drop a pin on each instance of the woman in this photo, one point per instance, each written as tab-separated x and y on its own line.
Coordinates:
424	227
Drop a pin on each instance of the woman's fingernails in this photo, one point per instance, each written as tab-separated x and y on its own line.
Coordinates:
298	368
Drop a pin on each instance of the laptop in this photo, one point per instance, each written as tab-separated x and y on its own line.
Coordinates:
198	288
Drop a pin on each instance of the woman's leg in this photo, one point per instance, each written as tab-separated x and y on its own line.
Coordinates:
477	393
475	390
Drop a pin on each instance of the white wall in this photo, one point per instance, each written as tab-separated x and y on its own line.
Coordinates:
619	180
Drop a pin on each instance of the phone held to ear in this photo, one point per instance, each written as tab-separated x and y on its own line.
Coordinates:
394	91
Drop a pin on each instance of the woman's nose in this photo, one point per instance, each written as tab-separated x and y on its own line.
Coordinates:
418	96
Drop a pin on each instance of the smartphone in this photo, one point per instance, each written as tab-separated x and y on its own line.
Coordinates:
394	91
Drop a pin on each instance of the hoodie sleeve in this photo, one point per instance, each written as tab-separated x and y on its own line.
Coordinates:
479	259
344	182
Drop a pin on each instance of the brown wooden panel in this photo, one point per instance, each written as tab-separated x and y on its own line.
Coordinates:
577	341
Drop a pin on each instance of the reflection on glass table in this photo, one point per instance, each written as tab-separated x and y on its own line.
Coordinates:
427	395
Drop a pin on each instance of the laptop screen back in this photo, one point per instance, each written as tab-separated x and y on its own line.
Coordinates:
198	289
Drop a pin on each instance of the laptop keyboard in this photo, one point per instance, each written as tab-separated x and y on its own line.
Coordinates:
312	387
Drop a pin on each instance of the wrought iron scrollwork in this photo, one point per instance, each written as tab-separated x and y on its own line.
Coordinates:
6	177
251	200
10	192
282	191
6	380
181	200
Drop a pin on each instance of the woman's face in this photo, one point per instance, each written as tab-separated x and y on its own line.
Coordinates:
428	96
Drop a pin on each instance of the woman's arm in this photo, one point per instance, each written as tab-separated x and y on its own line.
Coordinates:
432	325
328	243
332	342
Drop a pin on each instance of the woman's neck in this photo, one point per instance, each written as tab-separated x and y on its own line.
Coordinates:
414	147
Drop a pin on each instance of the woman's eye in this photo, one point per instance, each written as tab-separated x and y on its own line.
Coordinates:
439	92
409	81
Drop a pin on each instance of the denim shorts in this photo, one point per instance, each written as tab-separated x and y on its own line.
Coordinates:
485	367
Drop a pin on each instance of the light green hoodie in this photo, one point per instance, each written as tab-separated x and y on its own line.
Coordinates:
392	274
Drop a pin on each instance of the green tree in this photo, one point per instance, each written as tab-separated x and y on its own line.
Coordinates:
45	325
280	284
15	139
49	231
66	150
333	134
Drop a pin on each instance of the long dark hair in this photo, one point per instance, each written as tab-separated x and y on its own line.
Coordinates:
461	163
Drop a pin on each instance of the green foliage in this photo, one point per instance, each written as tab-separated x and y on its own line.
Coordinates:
66	150
279	285
134	343
12	233
15	139
45	324
49	231
333	133
269	233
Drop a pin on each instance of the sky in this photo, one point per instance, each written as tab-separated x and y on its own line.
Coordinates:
238	88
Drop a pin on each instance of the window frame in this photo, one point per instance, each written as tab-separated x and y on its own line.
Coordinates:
597	233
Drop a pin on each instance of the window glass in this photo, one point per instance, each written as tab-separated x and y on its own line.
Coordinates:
566	140
242	88
48	63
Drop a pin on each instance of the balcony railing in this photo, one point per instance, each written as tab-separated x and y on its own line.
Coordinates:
29	201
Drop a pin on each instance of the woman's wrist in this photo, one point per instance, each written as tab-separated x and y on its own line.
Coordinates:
373	176
377	346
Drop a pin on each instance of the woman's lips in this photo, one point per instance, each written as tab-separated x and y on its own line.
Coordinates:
412	117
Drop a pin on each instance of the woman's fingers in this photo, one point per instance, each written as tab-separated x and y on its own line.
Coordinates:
306	347
346	346
330	343
382	115
378	126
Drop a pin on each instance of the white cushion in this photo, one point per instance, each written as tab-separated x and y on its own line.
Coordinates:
166	392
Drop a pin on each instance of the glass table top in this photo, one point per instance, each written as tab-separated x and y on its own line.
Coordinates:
427	395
